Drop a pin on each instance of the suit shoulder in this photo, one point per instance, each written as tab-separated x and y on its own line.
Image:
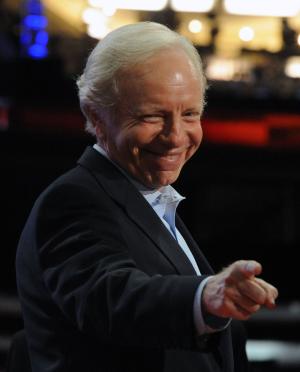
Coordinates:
72	185
75	176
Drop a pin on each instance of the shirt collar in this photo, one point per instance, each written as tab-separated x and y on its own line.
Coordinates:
162	197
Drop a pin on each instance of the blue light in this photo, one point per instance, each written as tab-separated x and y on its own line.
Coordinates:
35	22
34	37
41	37
34	7
37	51
26	37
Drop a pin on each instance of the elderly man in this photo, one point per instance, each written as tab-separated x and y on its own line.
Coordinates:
109	277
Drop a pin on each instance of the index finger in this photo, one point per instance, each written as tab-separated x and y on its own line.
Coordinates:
244	269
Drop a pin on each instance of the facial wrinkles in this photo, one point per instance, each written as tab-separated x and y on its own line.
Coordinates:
168	107
171	136
154	137
174	129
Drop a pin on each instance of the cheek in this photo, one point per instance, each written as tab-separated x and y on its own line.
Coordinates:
196	135
142	136
195	139
130	146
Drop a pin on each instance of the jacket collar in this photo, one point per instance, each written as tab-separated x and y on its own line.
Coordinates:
123	192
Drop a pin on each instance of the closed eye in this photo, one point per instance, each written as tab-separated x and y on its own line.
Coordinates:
152	118
192	115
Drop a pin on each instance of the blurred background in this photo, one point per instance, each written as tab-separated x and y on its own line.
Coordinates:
243	186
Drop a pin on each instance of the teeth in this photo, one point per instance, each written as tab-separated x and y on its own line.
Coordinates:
167	156
171	157
172	154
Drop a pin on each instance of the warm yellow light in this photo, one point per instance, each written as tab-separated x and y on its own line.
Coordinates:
277	8
195	26
92	15
96	3
192	5
246	33
292	67
298	39
141	4
267	34
151	5
228	69
220	70
97	31
109	10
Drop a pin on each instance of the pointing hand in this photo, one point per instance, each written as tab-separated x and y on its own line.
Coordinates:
237	293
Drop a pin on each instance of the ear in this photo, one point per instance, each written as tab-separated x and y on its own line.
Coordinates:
98	123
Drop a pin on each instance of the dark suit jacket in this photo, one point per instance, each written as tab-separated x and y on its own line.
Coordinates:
105	287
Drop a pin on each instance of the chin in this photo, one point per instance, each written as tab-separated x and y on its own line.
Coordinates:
161	181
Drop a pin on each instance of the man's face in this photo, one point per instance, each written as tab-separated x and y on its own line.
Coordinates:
157	122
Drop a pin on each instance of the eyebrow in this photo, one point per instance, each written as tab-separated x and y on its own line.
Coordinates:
158	108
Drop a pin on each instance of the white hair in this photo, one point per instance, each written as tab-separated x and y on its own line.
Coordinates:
121	49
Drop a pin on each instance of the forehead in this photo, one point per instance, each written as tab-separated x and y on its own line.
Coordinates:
168	68
165	61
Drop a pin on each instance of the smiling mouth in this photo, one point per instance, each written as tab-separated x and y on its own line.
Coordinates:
167	159
167	155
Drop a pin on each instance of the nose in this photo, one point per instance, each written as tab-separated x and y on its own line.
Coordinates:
173	133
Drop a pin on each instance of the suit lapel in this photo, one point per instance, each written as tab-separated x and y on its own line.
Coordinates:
119	188
201	261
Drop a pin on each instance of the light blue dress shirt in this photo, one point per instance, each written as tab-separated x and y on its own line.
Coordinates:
164	202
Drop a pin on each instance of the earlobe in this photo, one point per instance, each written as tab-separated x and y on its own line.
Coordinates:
100	132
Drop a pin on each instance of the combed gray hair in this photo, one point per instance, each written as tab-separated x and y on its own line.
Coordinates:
121	49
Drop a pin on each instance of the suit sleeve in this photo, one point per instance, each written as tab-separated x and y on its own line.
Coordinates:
92	278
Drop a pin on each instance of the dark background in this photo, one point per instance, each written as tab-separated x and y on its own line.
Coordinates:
242	198
243	202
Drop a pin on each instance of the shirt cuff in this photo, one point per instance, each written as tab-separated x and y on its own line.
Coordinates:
206	323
